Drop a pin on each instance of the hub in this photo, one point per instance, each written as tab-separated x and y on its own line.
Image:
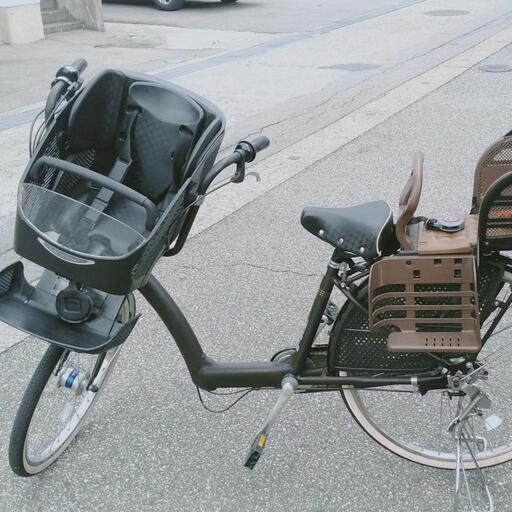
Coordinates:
73	379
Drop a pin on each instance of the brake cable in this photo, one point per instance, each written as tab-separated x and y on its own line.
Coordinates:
219	411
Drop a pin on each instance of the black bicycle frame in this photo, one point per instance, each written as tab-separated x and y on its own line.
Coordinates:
209	374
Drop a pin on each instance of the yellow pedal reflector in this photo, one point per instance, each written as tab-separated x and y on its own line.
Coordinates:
262	440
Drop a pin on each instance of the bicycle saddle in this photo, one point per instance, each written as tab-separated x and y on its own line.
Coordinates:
365	230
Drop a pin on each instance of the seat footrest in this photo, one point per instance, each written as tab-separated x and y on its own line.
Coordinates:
449	342
32	310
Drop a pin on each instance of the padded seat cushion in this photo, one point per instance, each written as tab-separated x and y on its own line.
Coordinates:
365	230
164	134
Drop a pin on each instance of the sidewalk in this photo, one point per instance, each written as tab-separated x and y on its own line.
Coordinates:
27	70
150	446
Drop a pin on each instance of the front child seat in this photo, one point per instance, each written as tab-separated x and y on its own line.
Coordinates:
110	187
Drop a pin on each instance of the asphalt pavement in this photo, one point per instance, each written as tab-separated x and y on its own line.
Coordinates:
264	16
246	282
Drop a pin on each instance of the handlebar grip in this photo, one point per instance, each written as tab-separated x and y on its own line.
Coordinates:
80	65
252	146
259	142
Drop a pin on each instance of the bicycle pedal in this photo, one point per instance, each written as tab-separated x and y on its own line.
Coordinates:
256	450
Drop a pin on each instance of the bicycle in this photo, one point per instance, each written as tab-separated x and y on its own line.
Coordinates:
119	169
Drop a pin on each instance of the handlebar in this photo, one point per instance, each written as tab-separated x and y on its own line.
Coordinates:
245	151
70	73
100	179
80	65
253	146
67	81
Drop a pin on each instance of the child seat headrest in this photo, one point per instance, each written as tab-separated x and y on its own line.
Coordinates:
94	117
165	131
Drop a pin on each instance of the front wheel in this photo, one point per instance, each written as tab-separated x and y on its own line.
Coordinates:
169	5
57	402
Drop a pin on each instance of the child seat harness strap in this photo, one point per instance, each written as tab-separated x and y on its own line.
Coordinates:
118	173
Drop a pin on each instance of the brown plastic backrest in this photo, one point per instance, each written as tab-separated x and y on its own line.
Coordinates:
495	161
409	199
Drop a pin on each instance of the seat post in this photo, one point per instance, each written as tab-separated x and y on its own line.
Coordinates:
317	310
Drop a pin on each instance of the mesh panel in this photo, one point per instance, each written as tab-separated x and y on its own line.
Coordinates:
160	239
498	232
51	148
67	181
500	155
85	158
500	212
494	163
353	346
507	191
499	219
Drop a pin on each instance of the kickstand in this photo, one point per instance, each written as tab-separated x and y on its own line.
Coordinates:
288	387
462	435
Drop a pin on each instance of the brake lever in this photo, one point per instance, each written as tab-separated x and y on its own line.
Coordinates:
239	175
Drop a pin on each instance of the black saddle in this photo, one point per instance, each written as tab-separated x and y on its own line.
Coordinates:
365	230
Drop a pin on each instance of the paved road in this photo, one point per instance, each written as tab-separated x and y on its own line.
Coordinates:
270	16
247	281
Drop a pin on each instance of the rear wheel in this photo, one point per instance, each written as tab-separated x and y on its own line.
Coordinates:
169	5
415	427
56	403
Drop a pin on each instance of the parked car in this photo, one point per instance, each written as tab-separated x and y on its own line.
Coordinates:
175	5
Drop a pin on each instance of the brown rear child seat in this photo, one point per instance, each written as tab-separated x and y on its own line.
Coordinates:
426	296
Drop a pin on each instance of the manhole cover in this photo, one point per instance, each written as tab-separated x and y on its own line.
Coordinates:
495	68
447	12
353	66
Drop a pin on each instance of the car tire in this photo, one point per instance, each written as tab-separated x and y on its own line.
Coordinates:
169	5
